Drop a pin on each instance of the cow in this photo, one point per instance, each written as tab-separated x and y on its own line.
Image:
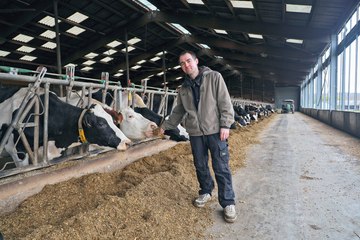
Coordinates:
179	134
63	127
132	124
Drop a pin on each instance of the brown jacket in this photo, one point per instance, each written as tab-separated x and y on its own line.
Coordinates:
215	109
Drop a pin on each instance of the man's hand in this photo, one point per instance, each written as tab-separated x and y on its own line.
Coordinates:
224	133
158	131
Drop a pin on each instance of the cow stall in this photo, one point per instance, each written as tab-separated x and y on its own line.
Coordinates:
81	89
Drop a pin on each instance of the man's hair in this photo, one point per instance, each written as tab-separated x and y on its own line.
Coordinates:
189	52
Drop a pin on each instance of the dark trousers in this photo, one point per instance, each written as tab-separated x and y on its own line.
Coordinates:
200	146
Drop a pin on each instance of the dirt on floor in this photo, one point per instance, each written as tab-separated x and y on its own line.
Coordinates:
149	199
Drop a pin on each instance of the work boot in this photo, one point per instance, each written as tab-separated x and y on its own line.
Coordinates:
230	213
202	199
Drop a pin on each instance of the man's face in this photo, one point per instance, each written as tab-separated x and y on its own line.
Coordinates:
188	64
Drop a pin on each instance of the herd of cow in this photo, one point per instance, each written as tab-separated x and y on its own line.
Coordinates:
96	123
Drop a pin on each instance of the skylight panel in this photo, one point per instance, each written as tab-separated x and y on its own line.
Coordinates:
87	69
4	53
160	73
48	21
195	2
130	48
110	52
91	55
161	53
141	62
75	30
154	59
258	36
134	40
23	38
49	45
242	4
89	62
180	28
177	67
218	57
25	49
136	67
106	59
298	8
297	41
204	45
48	34
118	75
77	17
220	31
147	4
28	58
178	78
113	44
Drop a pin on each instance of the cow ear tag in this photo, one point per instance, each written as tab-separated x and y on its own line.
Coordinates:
82	135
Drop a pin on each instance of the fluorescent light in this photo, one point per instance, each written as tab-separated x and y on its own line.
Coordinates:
141	62
75	30
242	4
258	36
195	2
134	40
48	34
180	28
136	67
160	73
204	45
86	69
161	53
177	67
77	17
4	53
220	31
154	59
48	21
91	55
23	38
114	44
298	8
118	75
28	58
89	62
25	49
110	52
148	5
49	45
106	59
297	41
178	78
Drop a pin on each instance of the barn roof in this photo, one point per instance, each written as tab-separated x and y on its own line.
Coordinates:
256	45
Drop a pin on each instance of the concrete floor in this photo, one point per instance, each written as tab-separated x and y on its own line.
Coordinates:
301	182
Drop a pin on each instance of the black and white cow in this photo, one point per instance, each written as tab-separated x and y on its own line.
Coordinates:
63	130
179	134
132	124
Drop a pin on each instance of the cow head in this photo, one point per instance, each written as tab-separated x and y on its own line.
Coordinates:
135	126
100	129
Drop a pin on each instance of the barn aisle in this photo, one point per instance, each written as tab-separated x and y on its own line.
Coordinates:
300	182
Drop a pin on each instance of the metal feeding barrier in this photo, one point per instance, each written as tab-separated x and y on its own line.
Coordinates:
39	82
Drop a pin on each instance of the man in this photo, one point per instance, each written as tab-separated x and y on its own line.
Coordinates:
204	101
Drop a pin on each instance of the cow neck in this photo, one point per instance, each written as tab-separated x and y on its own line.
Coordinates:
80	127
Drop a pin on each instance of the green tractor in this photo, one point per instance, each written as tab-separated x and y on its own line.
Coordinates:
288	106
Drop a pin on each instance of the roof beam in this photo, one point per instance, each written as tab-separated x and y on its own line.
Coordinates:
254	49
267	29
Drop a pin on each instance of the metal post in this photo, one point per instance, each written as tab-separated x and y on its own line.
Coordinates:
46	122
58	50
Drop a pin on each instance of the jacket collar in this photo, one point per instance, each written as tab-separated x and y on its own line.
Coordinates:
188	82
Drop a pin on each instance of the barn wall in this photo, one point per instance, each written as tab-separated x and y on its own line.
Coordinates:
343	120
282	93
